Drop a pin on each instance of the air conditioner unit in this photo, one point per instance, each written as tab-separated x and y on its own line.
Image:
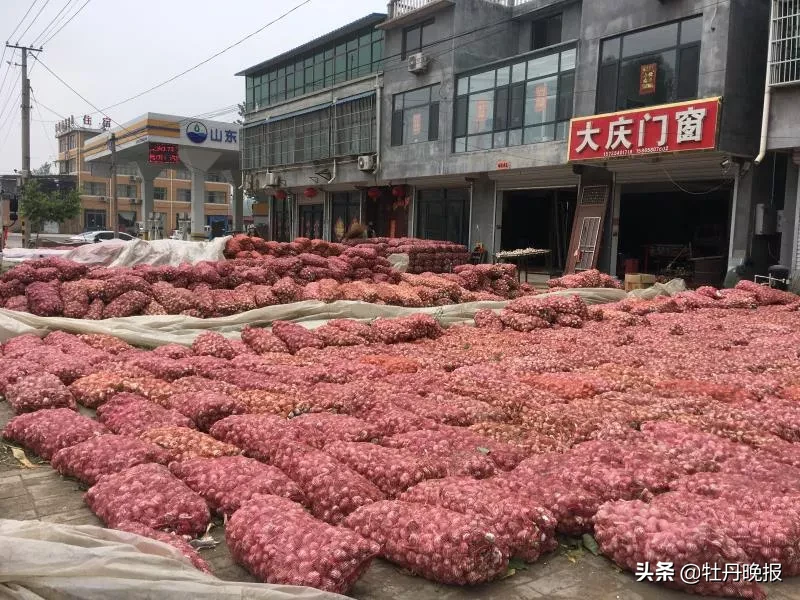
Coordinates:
366	162
273	180
418	63
133	178
103	199
135	201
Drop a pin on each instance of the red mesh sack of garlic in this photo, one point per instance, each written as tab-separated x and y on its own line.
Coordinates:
522	322
262	341
106	454
35	392
127	305
764	294
221	480
148	494
44	299
45	432
332	336
390	419
183	443
106	343
632	533
264	402
20	346
334	427
296	336
215	344
259	435
486	318
436	543
205	408
171	539
391	470
280	543
392	364
446	439
12	369
96	389
526	530
333	490
195	383
131	414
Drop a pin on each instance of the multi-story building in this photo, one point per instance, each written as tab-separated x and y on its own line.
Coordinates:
171	190
781	135
613	133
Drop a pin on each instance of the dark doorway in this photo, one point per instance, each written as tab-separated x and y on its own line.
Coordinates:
345	211
281	221
443	215
539	219
675	234
387	216
311	220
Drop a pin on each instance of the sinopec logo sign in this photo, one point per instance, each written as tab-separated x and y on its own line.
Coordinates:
197	132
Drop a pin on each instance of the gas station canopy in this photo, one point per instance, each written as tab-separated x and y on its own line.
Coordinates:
152	141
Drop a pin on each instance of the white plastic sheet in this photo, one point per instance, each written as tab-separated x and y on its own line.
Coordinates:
44	561
140	252
151	331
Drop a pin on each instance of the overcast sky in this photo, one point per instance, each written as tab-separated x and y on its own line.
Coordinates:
114	49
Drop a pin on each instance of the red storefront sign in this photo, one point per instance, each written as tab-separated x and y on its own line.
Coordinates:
646	131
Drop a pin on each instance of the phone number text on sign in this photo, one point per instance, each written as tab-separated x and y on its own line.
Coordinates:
691	574
646	131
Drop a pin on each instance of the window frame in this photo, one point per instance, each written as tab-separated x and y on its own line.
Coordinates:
678	48
515	88
406	50
158	187
333	63
433	111
546	20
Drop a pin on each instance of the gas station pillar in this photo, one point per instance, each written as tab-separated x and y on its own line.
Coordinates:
199	162
148	173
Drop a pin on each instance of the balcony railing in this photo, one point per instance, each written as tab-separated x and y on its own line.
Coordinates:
399	8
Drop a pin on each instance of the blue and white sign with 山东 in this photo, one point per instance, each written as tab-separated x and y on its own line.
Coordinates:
210	134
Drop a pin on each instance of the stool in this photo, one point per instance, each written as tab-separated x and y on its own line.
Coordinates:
779	276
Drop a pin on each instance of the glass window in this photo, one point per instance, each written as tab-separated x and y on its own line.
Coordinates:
692	30
518	72
540	101
546	32
443	215
650	67
159	193
481	112
568	59
184	195
503	75
417	37
481	81
545	65
649	40
515	110
415	117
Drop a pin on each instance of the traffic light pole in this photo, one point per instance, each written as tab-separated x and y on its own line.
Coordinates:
114	199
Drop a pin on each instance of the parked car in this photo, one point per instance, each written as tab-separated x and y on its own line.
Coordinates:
93	237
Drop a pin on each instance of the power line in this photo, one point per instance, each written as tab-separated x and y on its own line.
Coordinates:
44	129
209	59
46	2
8	68
60	116
25	16
47	41
10	96
10	113
44	31
77	93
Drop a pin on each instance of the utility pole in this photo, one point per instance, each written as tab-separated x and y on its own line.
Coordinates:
25	172
112	145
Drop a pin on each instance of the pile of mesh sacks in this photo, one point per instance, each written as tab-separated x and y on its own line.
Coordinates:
671	435
55	287
424	256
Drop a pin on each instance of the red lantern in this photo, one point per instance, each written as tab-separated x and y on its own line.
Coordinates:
399	191
374	193
280	194
310	192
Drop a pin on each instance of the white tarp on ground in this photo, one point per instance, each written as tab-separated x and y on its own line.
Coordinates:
140	252
151	331
45	561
